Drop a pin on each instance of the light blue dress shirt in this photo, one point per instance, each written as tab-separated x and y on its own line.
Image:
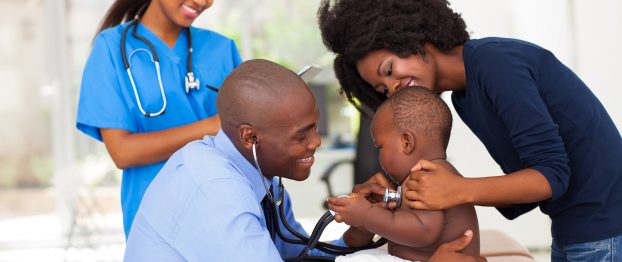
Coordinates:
205	205
107	97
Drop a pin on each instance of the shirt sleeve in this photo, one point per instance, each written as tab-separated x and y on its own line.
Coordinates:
223	222
101	103
509	79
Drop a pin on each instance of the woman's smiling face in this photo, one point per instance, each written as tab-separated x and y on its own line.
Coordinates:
387	73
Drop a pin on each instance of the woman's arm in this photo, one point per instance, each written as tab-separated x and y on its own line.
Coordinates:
128	149
433	186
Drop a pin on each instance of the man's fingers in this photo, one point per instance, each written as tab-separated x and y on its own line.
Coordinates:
379	204
369	189
381	180
460	243
338	218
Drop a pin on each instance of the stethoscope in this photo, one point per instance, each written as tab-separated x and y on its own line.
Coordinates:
190	81
312	241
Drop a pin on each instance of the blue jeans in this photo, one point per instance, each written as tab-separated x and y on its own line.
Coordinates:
609	249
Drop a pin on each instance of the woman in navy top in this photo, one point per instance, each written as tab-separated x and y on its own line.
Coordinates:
550	135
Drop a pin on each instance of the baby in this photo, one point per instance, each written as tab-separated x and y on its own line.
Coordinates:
411	125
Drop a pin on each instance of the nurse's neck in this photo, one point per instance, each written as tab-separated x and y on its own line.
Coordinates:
160	25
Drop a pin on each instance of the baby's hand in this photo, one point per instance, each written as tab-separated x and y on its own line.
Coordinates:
352	210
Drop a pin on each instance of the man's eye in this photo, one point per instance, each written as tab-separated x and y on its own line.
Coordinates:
390	69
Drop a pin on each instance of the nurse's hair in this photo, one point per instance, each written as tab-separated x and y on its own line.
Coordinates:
420	111
122	11
253	92
353	28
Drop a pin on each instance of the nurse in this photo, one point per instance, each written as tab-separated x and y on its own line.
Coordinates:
144	115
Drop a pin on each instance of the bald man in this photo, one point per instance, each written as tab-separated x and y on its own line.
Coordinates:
206	202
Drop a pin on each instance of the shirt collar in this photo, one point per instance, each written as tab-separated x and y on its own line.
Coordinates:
223	143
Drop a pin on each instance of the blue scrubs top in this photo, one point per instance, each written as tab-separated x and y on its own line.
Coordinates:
107	99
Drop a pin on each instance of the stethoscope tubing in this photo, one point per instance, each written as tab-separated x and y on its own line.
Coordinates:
312	241
153	55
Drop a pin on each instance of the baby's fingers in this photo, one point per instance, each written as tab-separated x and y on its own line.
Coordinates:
338	201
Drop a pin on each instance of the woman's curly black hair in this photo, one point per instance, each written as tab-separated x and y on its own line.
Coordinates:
353	28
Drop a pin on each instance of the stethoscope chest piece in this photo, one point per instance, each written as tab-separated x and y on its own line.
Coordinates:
192	82
393	196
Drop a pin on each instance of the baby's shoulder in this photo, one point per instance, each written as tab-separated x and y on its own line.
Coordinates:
446	164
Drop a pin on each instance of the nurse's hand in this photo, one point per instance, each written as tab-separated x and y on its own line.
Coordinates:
449	251
373	188
434	187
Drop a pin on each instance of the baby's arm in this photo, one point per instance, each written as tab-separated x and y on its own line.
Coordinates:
408	227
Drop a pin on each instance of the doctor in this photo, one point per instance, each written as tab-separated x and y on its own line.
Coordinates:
146	87
218	210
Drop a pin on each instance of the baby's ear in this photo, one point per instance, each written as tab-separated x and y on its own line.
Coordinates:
408	141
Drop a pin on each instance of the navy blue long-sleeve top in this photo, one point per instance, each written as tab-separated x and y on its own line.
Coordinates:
531	111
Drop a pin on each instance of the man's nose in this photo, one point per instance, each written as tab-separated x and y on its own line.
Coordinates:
316	141
201	3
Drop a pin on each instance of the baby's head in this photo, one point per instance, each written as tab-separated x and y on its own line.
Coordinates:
410	125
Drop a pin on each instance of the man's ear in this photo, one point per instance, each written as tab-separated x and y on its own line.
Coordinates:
408	141
248	135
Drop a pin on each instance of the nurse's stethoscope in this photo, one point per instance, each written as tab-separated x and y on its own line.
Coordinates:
190	81
313	241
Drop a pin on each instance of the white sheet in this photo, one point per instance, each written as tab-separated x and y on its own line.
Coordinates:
369	255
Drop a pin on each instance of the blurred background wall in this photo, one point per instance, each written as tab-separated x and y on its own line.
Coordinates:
59	191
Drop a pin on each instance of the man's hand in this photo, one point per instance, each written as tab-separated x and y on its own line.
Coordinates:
352	210
449	251
432	186
373	188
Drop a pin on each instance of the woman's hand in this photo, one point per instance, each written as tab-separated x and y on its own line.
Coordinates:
449	251
353	210
434	187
